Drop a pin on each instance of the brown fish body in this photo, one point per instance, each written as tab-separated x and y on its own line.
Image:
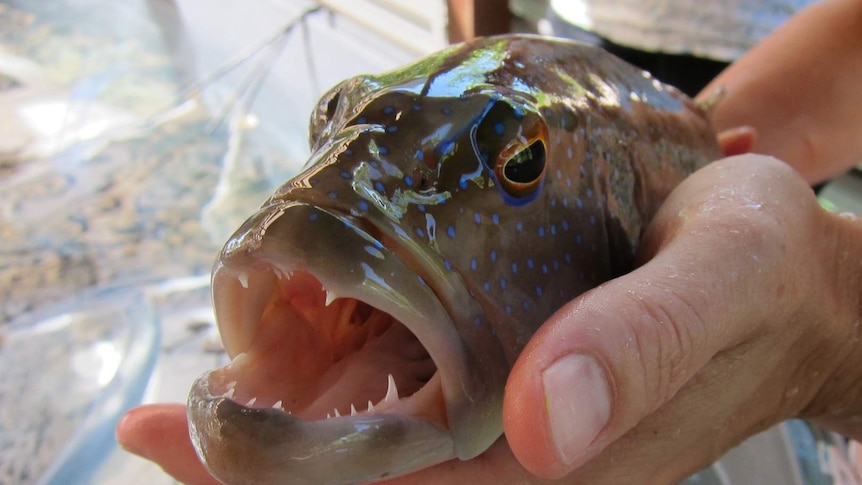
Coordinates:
447	210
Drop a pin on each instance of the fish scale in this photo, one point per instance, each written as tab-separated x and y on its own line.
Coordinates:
466	197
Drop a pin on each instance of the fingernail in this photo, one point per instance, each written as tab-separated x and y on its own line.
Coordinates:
578	403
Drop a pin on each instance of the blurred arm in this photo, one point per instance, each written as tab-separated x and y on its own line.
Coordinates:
801	88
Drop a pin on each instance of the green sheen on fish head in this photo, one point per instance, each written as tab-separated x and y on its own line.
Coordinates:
447	210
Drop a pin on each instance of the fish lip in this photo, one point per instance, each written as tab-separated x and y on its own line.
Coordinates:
210	414
239	444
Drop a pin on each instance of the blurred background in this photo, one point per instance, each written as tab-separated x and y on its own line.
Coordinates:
135	136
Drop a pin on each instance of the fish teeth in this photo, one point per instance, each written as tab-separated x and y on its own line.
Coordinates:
370	406
229	393
330	297
352	410
243	279
278	405
337	414
251	402
391	391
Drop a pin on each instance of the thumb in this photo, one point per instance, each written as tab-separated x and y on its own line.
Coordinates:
599	366
618	353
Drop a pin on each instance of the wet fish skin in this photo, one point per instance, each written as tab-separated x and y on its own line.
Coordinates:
410	203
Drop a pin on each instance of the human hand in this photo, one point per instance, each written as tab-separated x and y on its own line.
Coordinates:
745	313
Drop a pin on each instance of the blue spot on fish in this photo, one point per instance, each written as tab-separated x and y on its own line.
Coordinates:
363	206
408	180
378	186
495	218
477	218
388	110
519	226
333	195
450	231
493	256
474	264
499	128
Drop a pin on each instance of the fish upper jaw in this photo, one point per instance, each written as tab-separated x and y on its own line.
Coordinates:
311	338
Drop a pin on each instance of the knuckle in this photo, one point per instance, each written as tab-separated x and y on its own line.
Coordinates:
668	334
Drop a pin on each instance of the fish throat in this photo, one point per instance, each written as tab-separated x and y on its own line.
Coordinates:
317	356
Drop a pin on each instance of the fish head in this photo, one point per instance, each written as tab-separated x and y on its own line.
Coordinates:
374	305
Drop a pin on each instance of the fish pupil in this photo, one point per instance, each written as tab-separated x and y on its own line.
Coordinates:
526	165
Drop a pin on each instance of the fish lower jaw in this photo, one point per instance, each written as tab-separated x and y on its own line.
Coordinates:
260	443
425	403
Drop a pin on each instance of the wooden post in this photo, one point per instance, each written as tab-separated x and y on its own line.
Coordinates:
473	18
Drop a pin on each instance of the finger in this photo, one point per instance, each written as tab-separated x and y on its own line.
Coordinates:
855	452
614	356
738	140
160	433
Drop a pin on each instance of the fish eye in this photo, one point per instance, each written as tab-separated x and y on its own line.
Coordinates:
520	167
511	141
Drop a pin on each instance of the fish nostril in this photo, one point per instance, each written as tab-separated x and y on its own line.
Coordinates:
332	105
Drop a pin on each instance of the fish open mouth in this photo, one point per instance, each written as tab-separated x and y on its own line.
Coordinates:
334	376
318	356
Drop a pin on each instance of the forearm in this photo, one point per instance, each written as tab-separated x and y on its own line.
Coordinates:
838	404
802	90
